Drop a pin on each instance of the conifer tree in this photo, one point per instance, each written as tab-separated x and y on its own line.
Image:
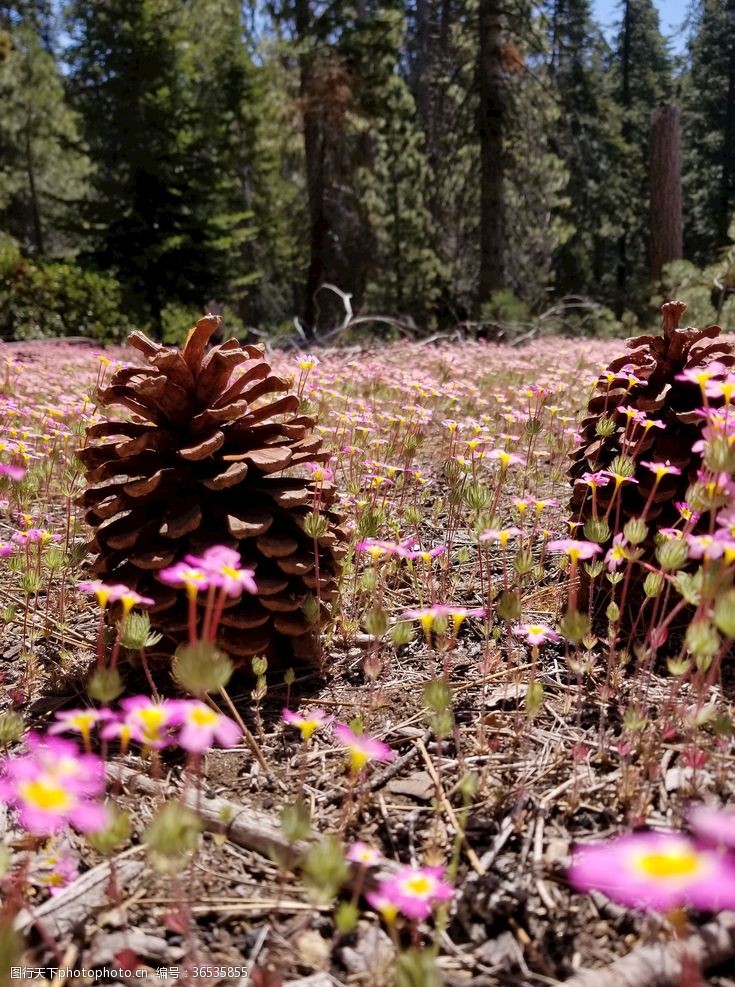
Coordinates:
43	168
161	110
587	137
643	80
709	127
405	273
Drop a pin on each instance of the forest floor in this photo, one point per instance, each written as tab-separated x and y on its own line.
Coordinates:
495	794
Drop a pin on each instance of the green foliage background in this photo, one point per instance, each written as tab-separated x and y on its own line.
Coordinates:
160	157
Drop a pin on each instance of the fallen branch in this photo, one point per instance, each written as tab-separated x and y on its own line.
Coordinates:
663	964
67	911
247	827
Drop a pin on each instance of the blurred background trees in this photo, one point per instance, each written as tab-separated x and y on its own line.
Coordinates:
440	161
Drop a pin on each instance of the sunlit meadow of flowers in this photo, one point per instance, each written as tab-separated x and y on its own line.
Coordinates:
451	465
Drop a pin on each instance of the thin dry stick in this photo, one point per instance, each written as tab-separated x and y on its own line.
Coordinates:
250	739
447	806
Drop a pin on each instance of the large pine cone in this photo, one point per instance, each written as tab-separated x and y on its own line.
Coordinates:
655	361
201	462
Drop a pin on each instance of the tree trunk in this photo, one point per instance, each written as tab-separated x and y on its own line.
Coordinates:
314	160
491	123
625	100
665	178
422	58
728	151
38	241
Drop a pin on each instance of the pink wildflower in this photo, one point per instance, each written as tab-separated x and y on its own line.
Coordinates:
307	723
378	548
221	566
182	574
655	870
502	535
618	553
53	785
661	469
365	855
721	388
56	871
712	824
535	634
415	890
201	726
150	722
14	472
575	549
704	547
361	748
79	721
506	458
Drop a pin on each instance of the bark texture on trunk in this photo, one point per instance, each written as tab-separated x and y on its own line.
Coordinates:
314	160
491	124
666	197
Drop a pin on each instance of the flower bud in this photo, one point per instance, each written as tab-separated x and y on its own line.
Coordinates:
574	625
105	685
310	607
296	821
477	496
346	916
114	834
653	584
689	584
636	530
135	632
724	613
678	666
597	530
401	633
672	554
509	605
523	563
172	836
702	639
325	869
316	525
376	622
605	426
622	465
201	668
259	666
368	580
12	727
534	699
438	695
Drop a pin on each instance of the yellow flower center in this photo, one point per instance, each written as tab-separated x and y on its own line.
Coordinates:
82	722
419	886
358	759
203	717
307	728
669	864
45	794
151	720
